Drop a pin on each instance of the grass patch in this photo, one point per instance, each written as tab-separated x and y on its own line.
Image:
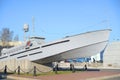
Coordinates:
53	73
43	74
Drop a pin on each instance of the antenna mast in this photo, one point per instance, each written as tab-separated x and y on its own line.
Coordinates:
33	25
26	29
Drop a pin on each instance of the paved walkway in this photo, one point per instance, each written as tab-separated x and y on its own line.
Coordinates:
85	75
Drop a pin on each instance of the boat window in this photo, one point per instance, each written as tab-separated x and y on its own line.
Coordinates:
33	49
3	57
24	51
22	56
55	43
35	53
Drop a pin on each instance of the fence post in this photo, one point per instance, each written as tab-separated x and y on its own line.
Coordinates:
56	68
72	68
34	71
85	67
5	70
18	70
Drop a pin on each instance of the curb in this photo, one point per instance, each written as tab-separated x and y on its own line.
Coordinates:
20	78
105	77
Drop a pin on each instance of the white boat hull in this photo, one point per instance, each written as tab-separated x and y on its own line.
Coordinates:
81	45
86	51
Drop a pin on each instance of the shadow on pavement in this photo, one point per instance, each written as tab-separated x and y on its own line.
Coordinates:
80	69
3	76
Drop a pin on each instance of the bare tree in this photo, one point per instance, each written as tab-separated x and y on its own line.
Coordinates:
16	38
6	36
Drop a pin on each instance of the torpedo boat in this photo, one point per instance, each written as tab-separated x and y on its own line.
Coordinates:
70	47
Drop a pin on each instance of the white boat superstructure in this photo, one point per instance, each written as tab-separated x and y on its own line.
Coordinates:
76	46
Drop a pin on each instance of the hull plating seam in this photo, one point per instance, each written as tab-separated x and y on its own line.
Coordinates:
24	51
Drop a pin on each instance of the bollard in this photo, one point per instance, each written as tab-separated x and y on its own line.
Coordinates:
73	68
5	70
85	67
18	70
70	67
56	68
34	71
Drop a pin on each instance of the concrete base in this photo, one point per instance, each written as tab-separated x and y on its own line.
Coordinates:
26	66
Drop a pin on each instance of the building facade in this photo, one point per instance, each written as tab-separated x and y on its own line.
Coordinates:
111	57
13	43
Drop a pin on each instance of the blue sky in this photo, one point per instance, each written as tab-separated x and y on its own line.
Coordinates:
55	19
